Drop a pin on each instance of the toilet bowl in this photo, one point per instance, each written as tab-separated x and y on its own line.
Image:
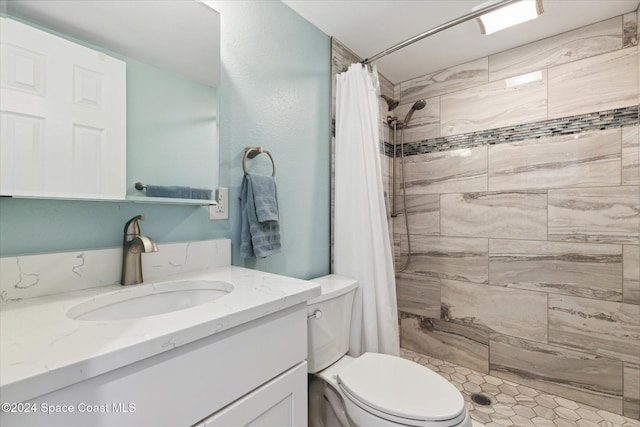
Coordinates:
372	390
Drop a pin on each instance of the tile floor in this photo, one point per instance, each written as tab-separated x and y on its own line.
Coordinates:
517	405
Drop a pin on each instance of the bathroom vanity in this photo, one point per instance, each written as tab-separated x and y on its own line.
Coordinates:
102	356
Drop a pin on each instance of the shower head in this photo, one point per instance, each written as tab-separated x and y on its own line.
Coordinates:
391	103
419	105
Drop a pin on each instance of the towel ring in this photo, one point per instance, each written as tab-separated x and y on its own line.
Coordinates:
252	152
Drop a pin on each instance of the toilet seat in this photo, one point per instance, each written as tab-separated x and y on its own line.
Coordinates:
401	391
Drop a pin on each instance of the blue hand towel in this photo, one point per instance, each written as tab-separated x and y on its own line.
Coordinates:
175	192
264	196
201	193
259	239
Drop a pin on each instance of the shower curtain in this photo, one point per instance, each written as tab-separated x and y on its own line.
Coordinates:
362	248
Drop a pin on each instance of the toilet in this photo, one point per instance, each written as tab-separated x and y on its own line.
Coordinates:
372	390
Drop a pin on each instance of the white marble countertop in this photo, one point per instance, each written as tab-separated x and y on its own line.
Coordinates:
42	350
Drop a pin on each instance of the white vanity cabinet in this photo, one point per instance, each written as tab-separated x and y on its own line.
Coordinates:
62	117
282	402
252	374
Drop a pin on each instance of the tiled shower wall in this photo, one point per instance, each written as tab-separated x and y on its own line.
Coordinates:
523	196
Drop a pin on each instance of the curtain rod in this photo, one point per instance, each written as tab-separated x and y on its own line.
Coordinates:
439	28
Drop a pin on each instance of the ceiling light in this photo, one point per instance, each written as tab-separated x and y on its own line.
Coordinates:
509	15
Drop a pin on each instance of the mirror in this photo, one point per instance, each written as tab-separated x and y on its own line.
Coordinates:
172	50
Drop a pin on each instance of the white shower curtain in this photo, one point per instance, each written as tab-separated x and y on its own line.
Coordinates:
362	249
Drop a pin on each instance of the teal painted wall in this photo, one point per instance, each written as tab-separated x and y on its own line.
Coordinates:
172	135
274	93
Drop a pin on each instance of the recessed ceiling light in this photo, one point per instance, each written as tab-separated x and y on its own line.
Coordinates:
509	15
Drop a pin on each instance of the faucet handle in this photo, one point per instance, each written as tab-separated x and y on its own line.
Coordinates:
132	227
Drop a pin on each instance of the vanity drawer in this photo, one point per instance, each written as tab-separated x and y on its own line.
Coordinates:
281	402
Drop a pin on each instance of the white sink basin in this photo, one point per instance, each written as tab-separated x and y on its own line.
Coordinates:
149	300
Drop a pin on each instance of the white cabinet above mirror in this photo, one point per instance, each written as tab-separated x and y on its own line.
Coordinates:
171	50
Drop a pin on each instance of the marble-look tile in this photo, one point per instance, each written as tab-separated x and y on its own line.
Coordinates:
461	259
341	56
516	215
629	29
385	168
580	269
386	87
586	159
466	345
400	249
599	83
514	404
177	258
631	274
418	294
424	124
448	80
597	215
386	133
575	375
30	276
397	246
512	101
522	313
631	155
631	391
602	327
592	40
424	214
447	171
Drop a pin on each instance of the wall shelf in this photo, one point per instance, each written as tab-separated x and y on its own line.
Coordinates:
170	201
133	199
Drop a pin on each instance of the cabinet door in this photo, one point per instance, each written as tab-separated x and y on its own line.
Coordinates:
282	402
62	117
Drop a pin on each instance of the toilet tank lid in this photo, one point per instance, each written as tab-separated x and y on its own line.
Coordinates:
333	285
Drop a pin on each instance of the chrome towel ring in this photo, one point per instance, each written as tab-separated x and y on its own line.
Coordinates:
251	152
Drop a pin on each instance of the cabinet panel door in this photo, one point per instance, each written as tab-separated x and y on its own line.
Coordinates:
62	117
282	402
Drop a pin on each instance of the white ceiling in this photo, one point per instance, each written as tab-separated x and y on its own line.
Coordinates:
190	45
368	27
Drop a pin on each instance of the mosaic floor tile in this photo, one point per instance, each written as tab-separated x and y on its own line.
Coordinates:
517	405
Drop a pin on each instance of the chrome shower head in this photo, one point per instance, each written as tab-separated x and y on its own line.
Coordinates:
419	105
391	103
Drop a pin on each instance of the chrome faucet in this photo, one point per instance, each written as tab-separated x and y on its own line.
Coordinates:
132	247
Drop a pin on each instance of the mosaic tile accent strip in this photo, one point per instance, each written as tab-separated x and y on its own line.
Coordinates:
513	404
601	120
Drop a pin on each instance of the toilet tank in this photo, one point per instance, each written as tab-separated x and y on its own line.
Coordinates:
328	330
